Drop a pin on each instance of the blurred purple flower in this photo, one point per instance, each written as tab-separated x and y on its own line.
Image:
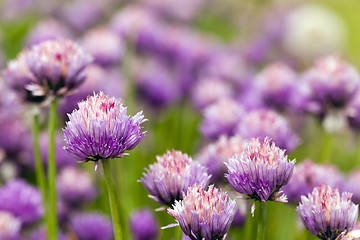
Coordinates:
221	118
156	83
204	214
53	67
214	155
308	175
352	185
10	226
109	52
171	175
260	171
49	29
91	226
22	200
101	123
209	90
326	213
267	123
75	187
143	225
330	83
277	84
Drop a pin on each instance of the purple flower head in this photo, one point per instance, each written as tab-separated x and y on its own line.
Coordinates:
276	83
204	214
144	226
221	118
109	81
53	67
171	175
156	83
308	175
22	200
101	129
109	52
216	154
229	66
267	123
49	29
10	226
75	186
326	213
260	171
330	83
137	25
209	90
91	226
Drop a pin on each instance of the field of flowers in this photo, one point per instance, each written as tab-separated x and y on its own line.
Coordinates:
166	119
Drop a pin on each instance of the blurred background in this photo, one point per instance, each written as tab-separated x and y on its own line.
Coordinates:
166	57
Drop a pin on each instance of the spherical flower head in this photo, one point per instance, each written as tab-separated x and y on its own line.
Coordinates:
204	214
308	175
221	118
330	83
216	154
276	83
111	49
22	200
94	226
209	90
144	225
260	171
75	186
10	226
100	129
262	123
171	175
326	213
53	67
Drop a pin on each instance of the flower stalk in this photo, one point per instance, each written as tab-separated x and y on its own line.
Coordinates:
112	199
261	221
52	208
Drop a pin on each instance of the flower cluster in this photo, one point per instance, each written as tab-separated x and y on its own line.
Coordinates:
260	171
101	129
171	175
326	213
204	214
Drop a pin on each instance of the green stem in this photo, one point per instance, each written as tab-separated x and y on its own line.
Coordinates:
328	142
112	199
261	221
39	168
52	210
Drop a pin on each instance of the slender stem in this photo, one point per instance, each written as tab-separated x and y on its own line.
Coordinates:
261	221
112	199
328	142
52	210
39	168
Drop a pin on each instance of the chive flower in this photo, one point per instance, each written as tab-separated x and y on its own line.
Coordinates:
100	129
326	213
260	171
50	68
171	175
204	214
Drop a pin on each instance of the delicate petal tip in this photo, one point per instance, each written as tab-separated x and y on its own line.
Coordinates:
253	206
170	226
